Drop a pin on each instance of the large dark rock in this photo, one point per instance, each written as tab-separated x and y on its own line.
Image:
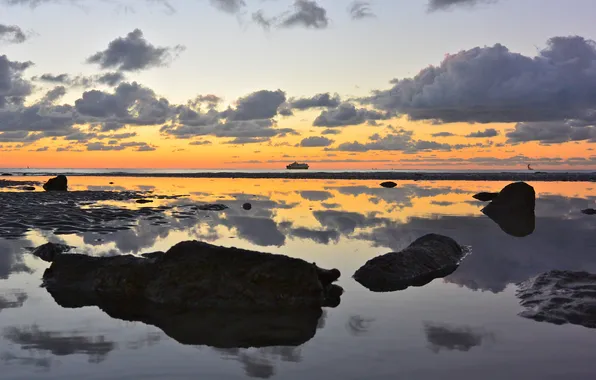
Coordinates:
589	211
485	197
49	251
388	184
194	275
59	183
560	297
428	257
513	209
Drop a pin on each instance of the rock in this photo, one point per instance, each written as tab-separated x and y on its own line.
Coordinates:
111	183
6	174
212	207
560	297
485	197
49	251
28	188
194	275
389	184
247	206
59	183
143	201
428	257
589	211
513	209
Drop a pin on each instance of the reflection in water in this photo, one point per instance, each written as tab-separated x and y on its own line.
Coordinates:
11	257
12	299
460	338
33	338
513	209
358	325
43	363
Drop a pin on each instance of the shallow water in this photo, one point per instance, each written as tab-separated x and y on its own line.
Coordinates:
464	326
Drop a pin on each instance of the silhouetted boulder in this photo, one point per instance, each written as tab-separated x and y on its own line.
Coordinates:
49	251
560	297
485	197
194	275
589	211
59	183
247	206
513	209
388	184
428	257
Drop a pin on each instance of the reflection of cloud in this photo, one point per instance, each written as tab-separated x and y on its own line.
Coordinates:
318	236
11	257
41	363
13	300
314	195
32	338
146	341
452	338
343	221
499	259
260	363
260	231
358	325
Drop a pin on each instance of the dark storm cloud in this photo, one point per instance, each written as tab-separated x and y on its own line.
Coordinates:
360	10
308	14
315	141
318	100
13	88
553	132
493	84
134	53
435	5
12	34
347	114
489	132
262	104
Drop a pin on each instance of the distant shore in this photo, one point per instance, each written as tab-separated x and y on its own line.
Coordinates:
393	175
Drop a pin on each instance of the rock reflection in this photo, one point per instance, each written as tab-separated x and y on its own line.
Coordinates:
513	209
459	338
58	344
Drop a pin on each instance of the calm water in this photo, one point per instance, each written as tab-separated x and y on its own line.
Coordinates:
464	326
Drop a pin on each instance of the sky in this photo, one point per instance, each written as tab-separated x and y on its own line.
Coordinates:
258	84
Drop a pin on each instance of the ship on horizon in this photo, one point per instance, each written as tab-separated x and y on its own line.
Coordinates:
296	165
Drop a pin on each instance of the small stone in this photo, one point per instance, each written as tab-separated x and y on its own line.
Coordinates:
247	206
143	201
389	184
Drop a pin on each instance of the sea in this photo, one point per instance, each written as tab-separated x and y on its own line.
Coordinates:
466	325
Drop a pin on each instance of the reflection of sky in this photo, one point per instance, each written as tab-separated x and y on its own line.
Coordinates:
337	224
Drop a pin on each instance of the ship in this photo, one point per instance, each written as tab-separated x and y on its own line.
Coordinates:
296	165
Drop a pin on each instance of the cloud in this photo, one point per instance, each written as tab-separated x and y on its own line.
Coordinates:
12	34
443	134
347	114
200	142
331	132
400	140
436	5
553	132
111	79
13	88
139	146
318	100
489	132
249	131
308	14
228	6
493	84
315	141
262	104
260	19
134	53
360	10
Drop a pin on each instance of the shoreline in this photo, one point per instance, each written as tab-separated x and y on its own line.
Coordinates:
397	176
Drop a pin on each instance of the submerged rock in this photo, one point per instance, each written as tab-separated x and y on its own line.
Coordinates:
49	251
194	275
513	209
485	197
428	257
560	297
212	207
388	184
59	183
589	211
